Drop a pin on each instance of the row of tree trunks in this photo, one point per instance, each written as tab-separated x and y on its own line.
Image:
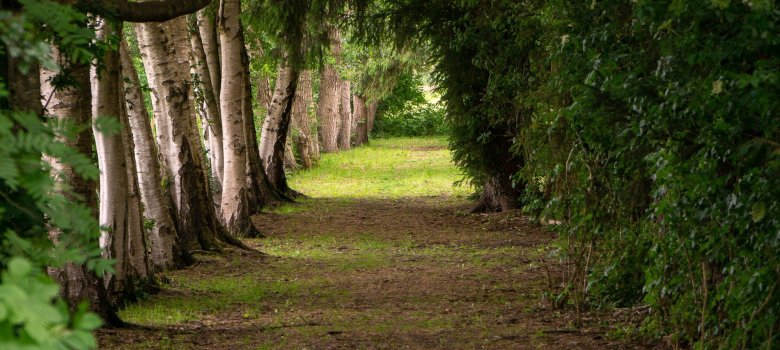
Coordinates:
304	139
130	173
166	252
345	113
177	137
119	209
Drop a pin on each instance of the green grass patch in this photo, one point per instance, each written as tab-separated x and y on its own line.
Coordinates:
386	168
358	252
207	296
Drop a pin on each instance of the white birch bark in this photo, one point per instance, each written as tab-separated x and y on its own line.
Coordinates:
177	136
119	207
166	250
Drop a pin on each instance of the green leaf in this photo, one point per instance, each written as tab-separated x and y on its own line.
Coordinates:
758	211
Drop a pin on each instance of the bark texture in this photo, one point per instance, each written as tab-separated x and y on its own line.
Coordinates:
166	251
371	116
196	222
72	105
208	35
289	153
276	125
361	120
345	112
238	193
264	93
262	190
24	89
496	196
500	192
208	108
120	207
328	105
304	138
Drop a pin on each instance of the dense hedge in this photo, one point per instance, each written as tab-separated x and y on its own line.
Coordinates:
649	129
660	149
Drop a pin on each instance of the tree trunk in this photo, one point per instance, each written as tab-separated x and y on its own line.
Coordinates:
264	93
120	207
276	126
208	35
371	117
176	29
345	111
196	221
304	139
73	105
328	107
500	192
361	119
290	162
208	108
167	252
496	196
262	190
238	197
25	89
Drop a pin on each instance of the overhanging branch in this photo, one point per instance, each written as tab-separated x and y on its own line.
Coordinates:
151	11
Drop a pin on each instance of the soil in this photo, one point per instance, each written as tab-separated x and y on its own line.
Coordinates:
410	273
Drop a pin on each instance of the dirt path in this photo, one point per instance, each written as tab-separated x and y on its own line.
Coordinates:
413	272
340	274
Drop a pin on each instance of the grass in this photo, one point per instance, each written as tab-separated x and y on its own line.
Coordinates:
386	168
325	267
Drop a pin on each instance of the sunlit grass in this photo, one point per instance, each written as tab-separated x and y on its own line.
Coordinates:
207	296
387	168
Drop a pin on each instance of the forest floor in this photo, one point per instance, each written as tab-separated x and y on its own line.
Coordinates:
382	255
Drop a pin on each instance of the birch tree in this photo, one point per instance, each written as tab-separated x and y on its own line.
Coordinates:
177	137
273	139
239	188
166	250
119	207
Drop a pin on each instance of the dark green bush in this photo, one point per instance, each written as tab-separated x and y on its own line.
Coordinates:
649	129
406	112
656	141
414	120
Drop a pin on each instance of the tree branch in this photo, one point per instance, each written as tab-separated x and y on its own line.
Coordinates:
151	11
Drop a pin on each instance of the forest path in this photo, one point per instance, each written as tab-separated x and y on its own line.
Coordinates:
370	266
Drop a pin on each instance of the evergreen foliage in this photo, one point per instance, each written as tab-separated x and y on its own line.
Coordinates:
406	111
647	128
